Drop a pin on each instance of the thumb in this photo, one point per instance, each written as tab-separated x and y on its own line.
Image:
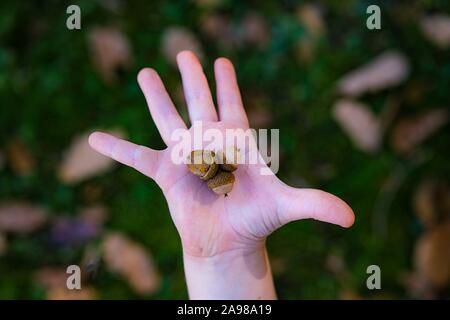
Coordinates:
297	204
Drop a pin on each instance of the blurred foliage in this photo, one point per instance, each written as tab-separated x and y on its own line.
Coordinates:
51	92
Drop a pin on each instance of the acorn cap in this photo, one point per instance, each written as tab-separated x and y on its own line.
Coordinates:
202	164
228	159
222	183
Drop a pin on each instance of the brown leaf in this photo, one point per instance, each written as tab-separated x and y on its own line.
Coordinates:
349	294
311	17
360	124
110	51
20	158
410	132
85	293
21	217
81	162
256	30
94	215
432	255
436	28
54	280
257	107
214	25
417	285
431	202
176	39
387	70
3	244
131	260
92	193
51	277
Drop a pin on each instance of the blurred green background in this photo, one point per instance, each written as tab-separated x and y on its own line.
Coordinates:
57	84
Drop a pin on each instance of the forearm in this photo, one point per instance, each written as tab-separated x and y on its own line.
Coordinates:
235	274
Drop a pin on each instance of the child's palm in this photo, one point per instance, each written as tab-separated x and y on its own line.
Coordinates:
258	204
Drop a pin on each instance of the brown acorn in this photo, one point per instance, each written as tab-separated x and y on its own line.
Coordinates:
222	183
228	159
203	164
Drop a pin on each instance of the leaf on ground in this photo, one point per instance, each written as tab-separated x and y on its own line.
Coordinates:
349	294
132	261
410	132
360	124
387	70
258	112
417	286
94	215
432	255
20	158
85	293
21	217
51	277
176	39
68	231
310	16
436	28
431	202
81	162
110	51
73	231
256	30
219	28
54	280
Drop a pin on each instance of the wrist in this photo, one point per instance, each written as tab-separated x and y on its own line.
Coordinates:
242	273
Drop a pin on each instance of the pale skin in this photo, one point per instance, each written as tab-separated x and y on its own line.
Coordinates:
223	238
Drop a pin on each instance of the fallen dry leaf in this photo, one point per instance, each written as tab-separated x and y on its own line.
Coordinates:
85	293
410	132
54	280
67	231
256	31
431	202
176	39
423	203
131	260
51	277
436	28
360	124
349	294
94	215
387	70
73	231
92	193
221	29
258	112
417	285
21	217
20	158
311	17
110	51
81	162
432	255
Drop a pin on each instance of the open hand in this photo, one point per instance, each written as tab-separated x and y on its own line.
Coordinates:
209	224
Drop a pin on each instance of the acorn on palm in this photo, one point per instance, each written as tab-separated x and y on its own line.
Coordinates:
215	168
